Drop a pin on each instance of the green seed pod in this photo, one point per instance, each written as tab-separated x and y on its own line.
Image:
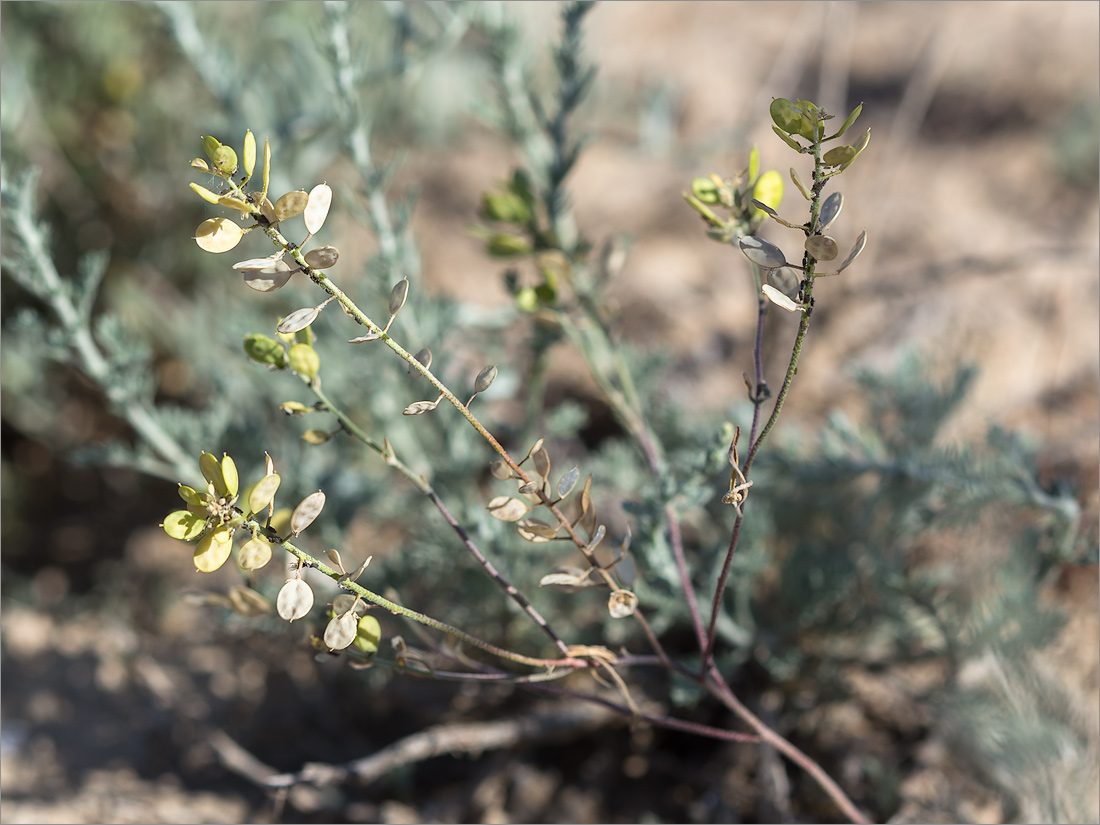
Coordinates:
304	360
504	207
210	145
790	118
249	153
183	525
503	245
229	474
190	495
204	193
839	155
847	122
214	549
368	634
225	160
769	189
706	190
264	350
211	470
316	437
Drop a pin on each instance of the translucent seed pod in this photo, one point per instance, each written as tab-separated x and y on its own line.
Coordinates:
269	278
830	209
295	600
263	492
298	320
291	204
340	631
218	235
778	298
822	247
322	257
762	253
306	512
506	508
254	553
320	199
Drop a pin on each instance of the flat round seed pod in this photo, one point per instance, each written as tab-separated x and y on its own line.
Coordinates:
506	508
183	525
306	512
762	253
295	600
322	257
213	550
254	553
485	378
340	632
830	209
778	298
218	235
298	320
320	199
291	204
822	247
263	492
269	279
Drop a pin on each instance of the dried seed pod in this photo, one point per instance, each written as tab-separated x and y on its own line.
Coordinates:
797	181
306	512
247	602
568	481
778	298
291	204
254	553
597	537
506	508
541	461
830	210
322	257
425	358
218	235
398	295
361	569
340	631
316	436
270	278
626	570
201	165
320	199
500	470
771	213
762	253
485	378
822	247
622	603
785	279
535	531
295	600
363	339
205	194
298	320
334	557
569	581
418	407
857	247
263	492
254	264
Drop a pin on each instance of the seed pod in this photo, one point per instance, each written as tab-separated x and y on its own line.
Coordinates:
291	204
847	122
506	508
204	193
213	549
368	634
790	118
298	320
320	199
304	360
306	512
322	257
210	145
363	339
316	436
211	470
183	525
838	156
769	189
270	278
201	165
254	553
800	185
778	298
263	492
829	211
568	481
762	253
229	476
504	245
485	378
398	295
247	602
225	159
264	350
621	604
425	358
249	153
418	407
218	235
822	247
500	470
857	247
295	600
340	631
784	279
535	531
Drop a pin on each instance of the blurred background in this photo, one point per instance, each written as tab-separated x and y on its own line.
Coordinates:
979	195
